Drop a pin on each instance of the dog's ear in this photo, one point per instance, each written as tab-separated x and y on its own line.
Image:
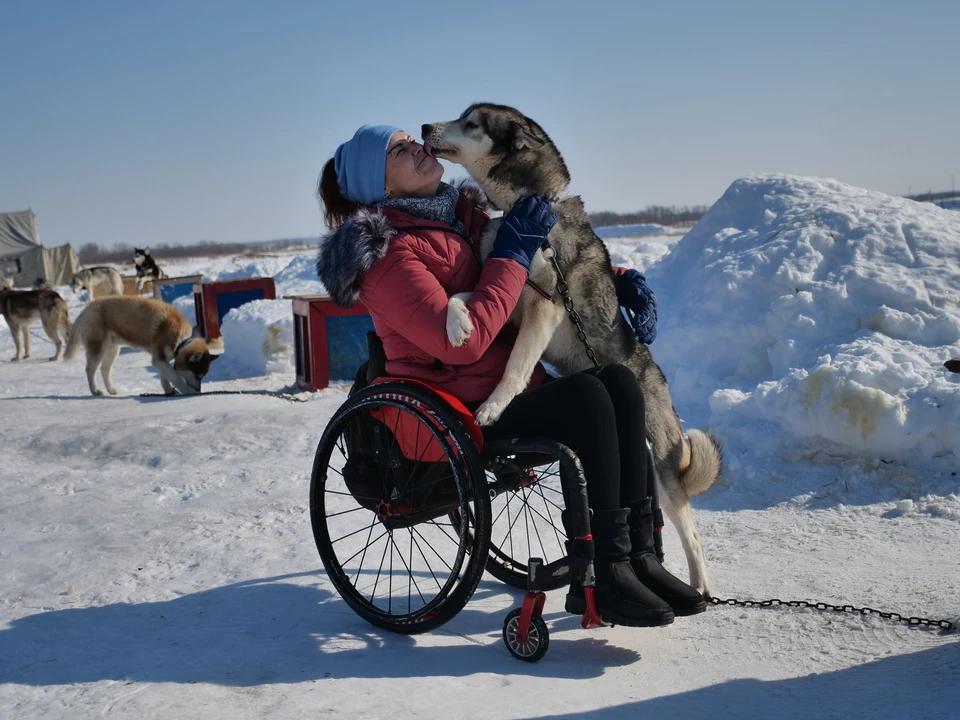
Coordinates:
215	347
146	251
526	137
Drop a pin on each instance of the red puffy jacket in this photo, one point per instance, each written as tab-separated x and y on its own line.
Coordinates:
405	269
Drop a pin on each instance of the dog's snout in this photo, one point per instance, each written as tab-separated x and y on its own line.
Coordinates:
425	130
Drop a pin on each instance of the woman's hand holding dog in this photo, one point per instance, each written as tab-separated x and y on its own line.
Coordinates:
525	227
634	294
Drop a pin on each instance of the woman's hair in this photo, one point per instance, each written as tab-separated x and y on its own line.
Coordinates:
335	206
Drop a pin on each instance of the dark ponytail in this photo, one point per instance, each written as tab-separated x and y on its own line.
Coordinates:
335	206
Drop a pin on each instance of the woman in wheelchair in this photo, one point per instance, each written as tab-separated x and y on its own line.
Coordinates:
403	242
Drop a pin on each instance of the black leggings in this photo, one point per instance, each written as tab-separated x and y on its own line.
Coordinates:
597	413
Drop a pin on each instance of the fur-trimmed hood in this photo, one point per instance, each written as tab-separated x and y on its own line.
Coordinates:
351	250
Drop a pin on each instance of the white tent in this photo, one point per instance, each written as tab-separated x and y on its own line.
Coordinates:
24	258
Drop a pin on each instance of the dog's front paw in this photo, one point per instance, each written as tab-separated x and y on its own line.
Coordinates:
459	326
489	412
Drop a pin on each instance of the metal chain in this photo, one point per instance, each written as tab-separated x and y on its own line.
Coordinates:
279	394
568	304
944	624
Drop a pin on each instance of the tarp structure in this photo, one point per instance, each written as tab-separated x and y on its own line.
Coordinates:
25	259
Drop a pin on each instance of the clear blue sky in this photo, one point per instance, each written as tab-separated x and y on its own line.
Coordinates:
146	123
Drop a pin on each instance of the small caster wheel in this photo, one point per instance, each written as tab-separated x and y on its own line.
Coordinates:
538	639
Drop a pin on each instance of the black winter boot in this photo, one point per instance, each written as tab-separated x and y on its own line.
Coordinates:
621	598
683	599
576	601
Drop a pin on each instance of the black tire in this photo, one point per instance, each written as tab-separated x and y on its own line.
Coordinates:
538	639
459	536
526	523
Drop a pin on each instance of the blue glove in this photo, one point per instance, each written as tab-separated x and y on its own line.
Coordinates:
633	294
524	229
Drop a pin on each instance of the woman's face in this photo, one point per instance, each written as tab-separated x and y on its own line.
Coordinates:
411	170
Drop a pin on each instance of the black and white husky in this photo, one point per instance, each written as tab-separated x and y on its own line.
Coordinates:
89	278
510	156
147	268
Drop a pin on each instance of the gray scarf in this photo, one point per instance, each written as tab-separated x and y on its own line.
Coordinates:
441	207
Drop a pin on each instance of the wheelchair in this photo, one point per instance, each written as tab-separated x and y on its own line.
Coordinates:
409	505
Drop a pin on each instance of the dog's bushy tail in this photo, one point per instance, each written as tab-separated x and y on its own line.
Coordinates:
706	463
75	335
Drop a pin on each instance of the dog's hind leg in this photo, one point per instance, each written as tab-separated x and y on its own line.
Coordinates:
94	355
540	320
51	324
15	331
26	340
675	503
110	353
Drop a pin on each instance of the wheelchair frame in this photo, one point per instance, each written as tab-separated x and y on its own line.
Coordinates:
413	460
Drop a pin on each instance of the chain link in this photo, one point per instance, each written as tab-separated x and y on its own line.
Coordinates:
568	304
924	622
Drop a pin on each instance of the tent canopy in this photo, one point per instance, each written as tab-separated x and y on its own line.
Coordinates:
24	258
18	232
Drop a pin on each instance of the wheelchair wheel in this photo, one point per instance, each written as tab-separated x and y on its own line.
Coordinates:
526	523
537	642
399	508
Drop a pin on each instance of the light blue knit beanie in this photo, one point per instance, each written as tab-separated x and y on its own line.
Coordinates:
361	163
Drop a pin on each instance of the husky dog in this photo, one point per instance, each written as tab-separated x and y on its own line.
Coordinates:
41	284
147	267
89	278
148	325
21	308
509	156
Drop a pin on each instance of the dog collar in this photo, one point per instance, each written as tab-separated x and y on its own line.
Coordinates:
182	343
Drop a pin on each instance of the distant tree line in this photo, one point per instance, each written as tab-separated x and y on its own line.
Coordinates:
660	214
95	254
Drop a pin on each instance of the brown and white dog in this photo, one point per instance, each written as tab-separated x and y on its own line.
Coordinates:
149	325
21	308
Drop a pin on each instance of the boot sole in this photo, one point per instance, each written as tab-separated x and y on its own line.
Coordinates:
578	606
690	610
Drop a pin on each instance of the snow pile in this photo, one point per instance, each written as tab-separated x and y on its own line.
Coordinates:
821	309
299	276
258	340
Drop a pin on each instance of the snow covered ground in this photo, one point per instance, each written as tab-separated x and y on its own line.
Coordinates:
156	556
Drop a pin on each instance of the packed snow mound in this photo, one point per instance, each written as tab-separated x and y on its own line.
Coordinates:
824	309
257	340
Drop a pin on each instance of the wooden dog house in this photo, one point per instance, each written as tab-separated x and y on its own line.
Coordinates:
330	342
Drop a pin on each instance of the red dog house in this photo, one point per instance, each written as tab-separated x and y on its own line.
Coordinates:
330	342
213	300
